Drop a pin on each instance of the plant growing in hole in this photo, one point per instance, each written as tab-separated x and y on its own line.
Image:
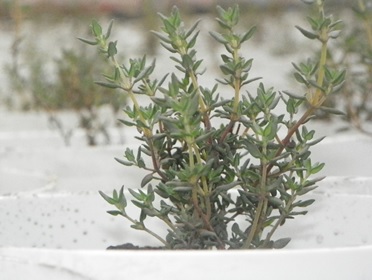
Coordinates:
222	175
72	90
71	87
356	49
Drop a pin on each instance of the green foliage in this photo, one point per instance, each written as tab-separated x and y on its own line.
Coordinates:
355	54
318	76
220	174
71	88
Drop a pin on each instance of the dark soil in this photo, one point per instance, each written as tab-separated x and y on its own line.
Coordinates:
130	246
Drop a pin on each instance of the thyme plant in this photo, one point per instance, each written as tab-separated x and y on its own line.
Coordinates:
221	175
356	49
68	87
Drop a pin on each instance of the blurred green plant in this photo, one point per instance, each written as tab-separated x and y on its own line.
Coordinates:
68	88
357	58
78	71
354	53
224	170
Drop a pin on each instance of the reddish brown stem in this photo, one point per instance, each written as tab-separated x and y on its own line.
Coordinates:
290	133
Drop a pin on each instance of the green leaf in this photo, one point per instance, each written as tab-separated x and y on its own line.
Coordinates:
253	150
187	61
291	106
226	70
236	229
274	185
334	34
114	212
218	37
138	204
136	195
170	49
293	95
270	130
192	29
129	155
334	24
138	226
281	243
227	187
127	123
305	190
121	199
317	167
275	201
304	203
192	42
108	85
328	73
139	152
123	162
204	136
92	43
251	80
248	34
312	143
96	28
299	78
141	75
307	34
162	37
296	213
108	33
147	179
145	212
298	68
107	198
115	195
339	78
333	111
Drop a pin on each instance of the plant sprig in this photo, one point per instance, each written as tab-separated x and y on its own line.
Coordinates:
221	186
355	54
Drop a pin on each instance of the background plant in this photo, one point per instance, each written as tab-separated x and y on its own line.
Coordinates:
220	172
57	81
354	53
357	58
69	87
